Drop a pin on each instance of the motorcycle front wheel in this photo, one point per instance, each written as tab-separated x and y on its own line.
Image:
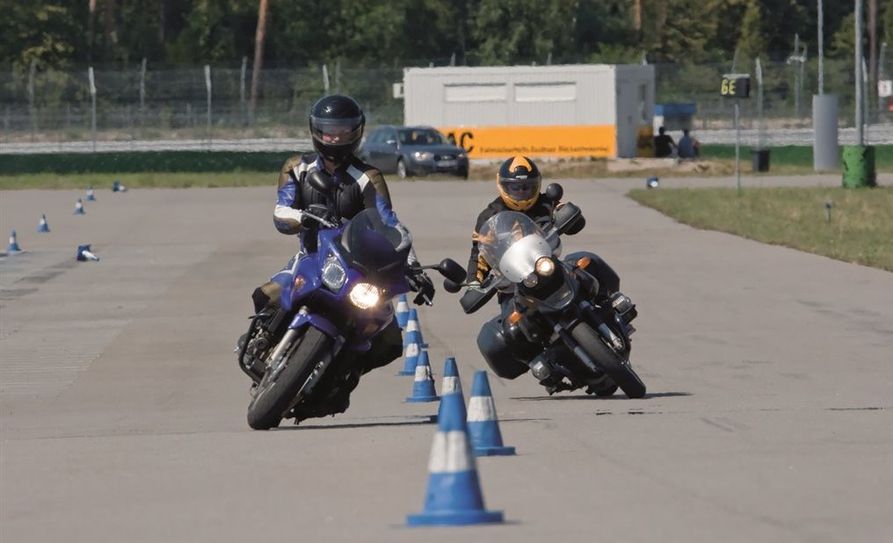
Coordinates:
620	370
274	397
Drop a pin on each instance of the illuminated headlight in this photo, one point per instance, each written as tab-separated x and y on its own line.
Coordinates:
423	155
364	295
333	275
545	266
531	280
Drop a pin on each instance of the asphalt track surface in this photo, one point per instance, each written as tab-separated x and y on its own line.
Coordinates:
769	415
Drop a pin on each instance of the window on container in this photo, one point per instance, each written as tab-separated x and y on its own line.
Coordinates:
476	92
545	92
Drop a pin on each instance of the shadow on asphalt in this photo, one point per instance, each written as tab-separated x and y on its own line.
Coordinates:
593	397
372	424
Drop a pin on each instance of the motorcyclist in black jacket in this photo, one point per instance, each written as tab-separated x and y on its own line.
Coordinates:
336	127
518	182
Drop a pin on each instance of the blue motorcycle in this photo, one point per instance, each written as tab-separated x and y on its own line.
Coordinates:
333	303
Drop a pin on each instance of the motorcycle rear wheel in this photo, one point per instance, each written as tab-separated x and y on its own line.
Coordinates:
274	397
620	370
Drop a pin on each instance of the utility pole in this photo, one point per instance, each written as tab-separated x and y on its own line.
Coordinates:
258	55
821	48
872	57
860	137
90	24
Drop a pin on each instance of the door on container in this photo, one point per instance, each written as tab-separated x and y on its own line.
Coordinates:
627	117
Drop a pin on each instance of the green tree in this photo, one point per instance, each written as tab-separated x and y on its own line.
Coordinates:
46	32
752	41
509	31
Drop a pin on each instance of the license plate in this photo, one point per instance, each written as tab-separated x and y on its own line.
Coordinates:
446	163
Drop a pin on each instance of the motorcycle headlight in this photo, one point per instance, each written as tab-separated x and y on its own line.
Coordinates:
333	275
545	266
531	280
364	295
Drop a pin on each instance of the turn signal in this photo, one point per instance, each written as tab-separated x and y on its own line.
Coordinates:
584	262
514	318
299	282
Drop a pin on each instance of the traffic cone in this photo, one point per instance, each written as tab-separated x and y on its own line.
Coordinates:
423	385
454	495
450	382
79	207
118	187
84	253
42	226
483	425
13	246
411	354
413	330
402	312
91	196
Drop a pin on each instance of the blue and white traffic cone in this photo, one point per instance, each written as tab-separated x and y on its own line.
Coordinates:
42	225
450	383
402	312
91	195
413	329
454	495
118	187
13	246
483	425
411	354
84	254
79	207
423	385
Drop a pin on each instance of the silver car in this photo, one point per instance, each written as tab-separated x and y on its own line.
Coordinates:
413	150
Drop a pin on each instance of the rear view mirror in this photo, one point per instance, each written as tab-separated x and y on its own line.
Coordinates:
451	286
554	192
451	269
321	181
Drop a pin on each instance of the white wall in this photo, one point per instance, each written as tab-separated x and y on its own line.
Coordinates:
509	95
635	105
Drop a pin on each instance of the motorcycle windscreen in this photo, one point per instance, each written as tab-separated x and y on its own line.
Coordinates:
511	243
370	246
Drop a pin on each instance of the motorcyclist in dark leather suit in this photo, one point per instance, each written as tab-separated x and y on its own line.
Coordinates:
336	126
518	183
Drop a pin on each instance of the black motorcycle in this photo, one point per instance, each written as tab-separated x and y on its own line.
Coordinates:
555	320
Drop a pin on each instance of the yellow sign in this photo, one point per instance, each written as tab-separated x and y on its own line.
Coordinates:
539	141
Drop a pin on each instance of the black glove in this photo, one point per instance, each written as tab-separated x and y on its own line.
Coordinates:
421	283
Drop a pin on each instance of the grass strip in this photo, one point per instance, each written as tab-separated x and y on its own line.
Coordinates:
860	229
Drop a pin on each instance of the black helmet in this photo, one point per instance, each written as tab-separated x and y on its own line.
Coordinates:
518	181
336	125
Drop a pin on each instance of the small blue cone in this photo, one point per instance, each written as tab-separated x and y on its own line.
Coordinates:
454	495
13	246
402	312
42	226
483	425
652	182
79	207
118	187
84	254
411	354
91	196
450	383
412	332
423	385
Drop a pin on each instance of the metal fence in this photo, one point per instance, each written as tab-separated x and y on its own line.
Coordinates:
207	104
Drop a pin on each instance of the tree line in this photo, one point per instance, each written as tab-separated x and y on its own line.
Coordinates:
73	33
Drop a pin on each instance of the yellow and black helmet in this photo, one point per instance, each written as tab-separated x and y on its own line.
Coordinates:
519	181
